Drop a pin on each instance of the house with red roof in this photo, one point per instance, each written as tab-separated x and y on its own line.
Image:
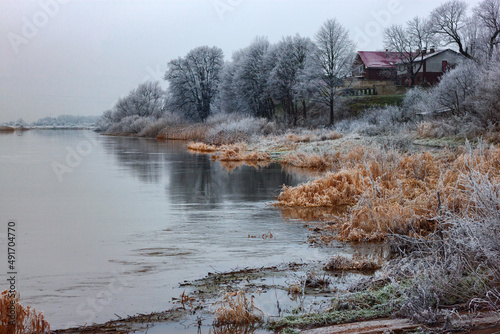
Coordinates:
386	66
376	65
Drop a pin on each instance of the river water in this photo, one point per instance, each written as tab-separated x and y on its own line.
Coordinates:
109	226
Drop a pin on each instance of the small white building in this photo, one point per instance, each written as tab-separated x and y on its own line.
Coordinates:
430	65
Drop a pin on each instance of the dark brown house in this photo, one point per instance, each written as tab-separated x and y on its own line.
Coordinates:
376	65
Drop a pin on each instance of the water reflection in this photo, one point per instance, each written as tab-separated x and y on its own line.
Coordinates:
209	182
143	158
195	178
148	210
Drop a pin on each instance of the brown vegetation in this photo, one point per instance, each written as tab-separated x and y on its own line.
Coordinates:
310	160
310	137
201	147
195	131
230	153
391	193
16	319
237	152
4	128
236	309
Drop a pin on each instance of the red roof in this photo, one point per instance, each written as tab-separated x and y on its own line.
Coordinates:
379	59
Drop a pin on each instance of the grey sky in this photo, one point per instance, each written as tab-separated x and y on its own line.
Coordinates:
78	56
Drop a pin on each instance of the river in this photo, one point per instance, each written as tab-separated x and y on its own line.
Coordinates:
109	226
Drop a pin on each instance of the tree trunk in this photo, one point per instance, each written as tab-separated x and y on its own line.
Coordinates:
271	107
304	109
295	113
331	110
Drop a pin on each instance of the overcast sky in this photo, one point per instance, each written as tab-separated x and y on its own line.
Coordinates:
79	56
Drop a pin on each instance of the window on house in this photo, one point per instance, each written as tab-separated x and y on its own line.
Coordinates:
445	66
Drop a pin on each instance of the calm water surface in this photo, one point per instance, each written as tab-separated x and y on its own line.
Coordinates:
109	226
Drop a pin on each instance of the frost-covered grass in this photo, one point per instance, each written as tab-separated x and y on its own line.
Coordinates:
371	304
219	129
391	193
460	262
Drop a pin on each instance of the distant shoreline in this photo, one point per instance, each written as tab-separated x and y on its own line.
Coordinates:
37	127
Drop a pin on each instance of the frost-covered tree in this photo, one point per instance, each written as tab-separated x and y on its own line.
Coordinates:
147	100
487	16
194	80
245	80
451	24
284	82
330	63
408	42
228	98
105	121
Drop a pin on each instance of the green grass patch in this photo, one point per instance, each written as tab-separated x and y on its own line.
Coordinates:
356	104
366	305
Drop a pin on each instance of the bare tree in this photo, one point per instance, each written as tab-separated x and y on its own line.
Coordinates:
450	23
409	43
487	13
194	81
331	62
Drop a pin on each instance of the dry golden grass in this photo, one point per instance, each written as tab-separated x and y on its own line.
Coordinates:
332	135
233	155
238	152
201	147
311	160
294	138
310	137
391	193
426	130
197	131
294	289
236	309
27	320
351	158
334	189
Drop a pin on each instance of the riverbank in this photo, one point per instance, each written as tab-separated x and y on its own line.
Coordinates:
387	175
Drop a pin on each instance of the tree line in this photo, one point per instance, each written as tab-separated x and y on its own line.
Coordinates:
283	80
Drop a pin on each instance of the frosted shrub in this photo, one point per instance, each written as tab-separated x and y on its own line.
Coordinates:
487	101
456	90
153	128
232	128
460	262
467	126
419	101
130	125
377	121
